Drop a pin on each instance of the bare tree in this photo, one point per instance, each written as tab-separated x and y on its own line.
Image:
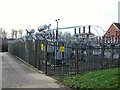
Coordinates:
3	33
20	32
14	33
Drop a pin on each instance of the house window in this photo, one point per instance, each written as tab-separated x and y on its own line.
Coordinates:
108	33
116	33
116	37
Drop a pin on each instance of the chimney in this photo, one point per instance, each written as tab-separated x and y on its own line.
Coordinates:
83	29
75	30
89	29
79	30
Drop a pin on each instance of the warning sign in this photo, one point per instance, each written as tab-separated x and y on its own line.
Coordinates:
61	48
42	47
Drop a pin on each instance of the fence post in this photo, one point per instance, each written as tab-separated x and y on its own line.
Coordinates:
77	59
119	50
112	51
45	57
36	53
102	52
103	48
119	55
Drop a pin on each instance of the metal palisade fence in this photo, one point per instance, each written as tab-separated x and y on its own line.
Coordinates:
67	58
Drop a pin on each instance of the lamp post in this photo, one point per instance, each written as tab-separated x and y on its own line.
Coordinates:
57	20
56	48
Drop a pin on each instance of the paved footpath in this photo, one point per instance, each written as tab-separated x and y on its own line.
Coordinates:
16	74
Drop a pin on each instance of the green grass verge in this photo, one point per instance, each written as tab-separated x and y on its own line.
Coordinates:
96	79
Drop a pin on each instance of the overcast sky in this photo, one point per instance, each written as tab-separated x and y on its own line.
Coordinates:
22	14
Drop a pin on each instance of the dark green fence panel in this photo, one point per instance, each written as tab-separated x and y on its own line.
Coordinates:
63	58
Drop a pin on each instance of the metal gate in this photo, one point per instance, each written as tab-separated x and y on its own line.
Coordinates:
59	60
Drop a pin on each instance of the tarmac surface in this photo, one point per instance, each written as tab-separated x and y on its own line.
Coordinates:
16	74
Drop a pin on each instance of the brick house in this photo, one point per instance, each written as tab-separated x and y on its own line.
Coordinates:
113	33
